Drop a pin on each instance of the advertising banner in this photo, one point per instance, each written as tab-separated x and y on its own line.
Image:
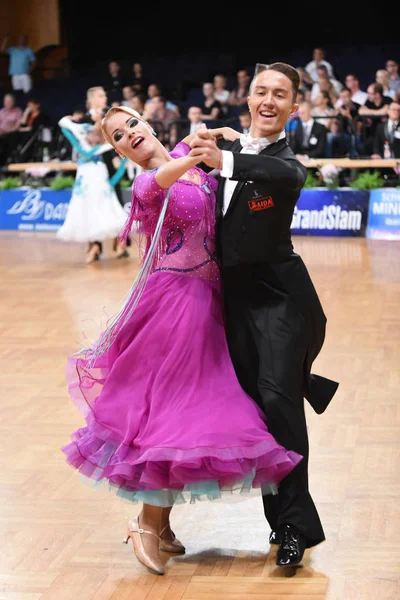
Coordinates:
384	214
341	212
33	209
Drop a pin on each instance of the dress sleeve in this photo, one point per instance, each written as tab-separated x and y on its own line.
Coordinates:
146	189
181	149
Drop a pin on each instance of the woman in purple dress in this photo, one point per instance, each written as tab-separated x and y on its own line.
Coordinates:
166	418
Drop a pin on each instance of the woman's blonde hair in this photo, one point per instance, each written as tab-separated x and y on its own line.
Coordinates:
113	111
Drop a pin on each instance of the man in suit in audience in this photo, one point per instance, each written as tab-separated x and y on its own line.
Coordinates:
388	131
310	136
275	323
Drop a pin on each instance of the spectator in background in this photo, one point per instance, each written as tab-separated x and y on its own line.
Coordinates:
183	128
155	90
312	67
32	116
244	121
115	81
309	139
304	86
195	120
127	94
22	63
373	110
211	109
160	117
344	138
138	102
221	92
14	142
392	67
238	96
325	82
10	115
138	81
323	108
382	77
388	131
357	95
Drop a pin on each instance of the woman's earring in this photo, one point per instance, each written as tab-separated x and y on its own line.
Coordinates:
153	132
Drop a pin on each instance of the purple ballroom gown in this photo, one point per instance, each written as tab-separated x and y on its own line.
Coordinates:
166	418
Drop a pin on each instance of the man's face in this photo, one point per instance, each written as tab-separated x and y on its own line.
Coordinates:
270	103
391	67
8	101
245	121
394	111
345	97
194	114
318	55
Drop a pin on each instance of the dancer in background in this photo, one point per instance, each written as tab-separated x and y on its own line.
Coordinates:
167	420
94	213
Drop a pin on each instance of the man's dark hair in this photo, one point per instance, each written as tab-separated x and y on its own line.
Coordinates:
283	68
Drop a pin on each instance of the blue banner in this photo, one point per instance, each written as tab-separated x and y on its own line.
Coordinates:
340	212
33	209
384	214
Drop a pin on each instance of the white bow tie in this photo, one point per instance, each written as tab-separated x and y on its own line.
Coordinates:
253	145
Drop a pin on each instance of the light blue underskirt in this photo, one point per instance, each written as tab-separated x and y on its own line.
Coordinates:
192	493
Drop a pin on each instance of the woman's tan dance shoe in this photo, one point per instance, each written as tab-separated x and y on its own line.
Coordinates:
135	533
173	545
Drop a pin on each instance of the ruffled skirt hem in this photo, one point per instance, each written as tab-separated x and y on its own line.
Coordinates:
163	476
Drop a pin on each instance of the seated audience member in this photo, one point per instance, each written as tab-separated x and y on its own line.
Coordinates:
323	108
211	109
10	114
293	121
382	77
392	67
325	82
318	60
160	117
387	134
372	112
304	85
357	94
138	103
344	138
127	94
309	138
244	121
238	96
155	90
15	141
115	81
221	93
138	80
184	127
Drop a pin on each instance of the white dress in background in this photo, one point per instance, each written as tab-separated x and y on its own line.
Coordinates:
94	212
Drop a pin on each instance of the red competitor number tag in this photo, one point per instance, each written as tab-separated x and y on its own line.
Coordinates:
262	203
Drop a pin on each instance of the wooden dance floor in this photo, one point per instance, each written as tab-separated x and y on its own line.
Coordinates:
61	540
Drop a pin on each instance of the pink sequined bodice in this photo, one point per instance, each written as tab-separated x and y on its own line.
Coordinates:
188	233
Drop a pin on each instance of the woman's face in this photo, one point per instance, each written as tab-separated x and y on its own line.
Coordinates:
130	136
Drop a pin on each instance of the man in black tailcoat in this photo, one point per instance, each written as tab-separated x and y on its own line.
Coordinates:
274	319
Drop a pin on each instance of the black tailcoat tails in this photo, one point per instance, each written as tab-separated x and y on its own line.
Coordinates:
274	320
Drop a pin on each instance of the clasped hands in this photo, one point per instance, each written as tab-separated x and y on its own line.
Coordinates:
204	144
